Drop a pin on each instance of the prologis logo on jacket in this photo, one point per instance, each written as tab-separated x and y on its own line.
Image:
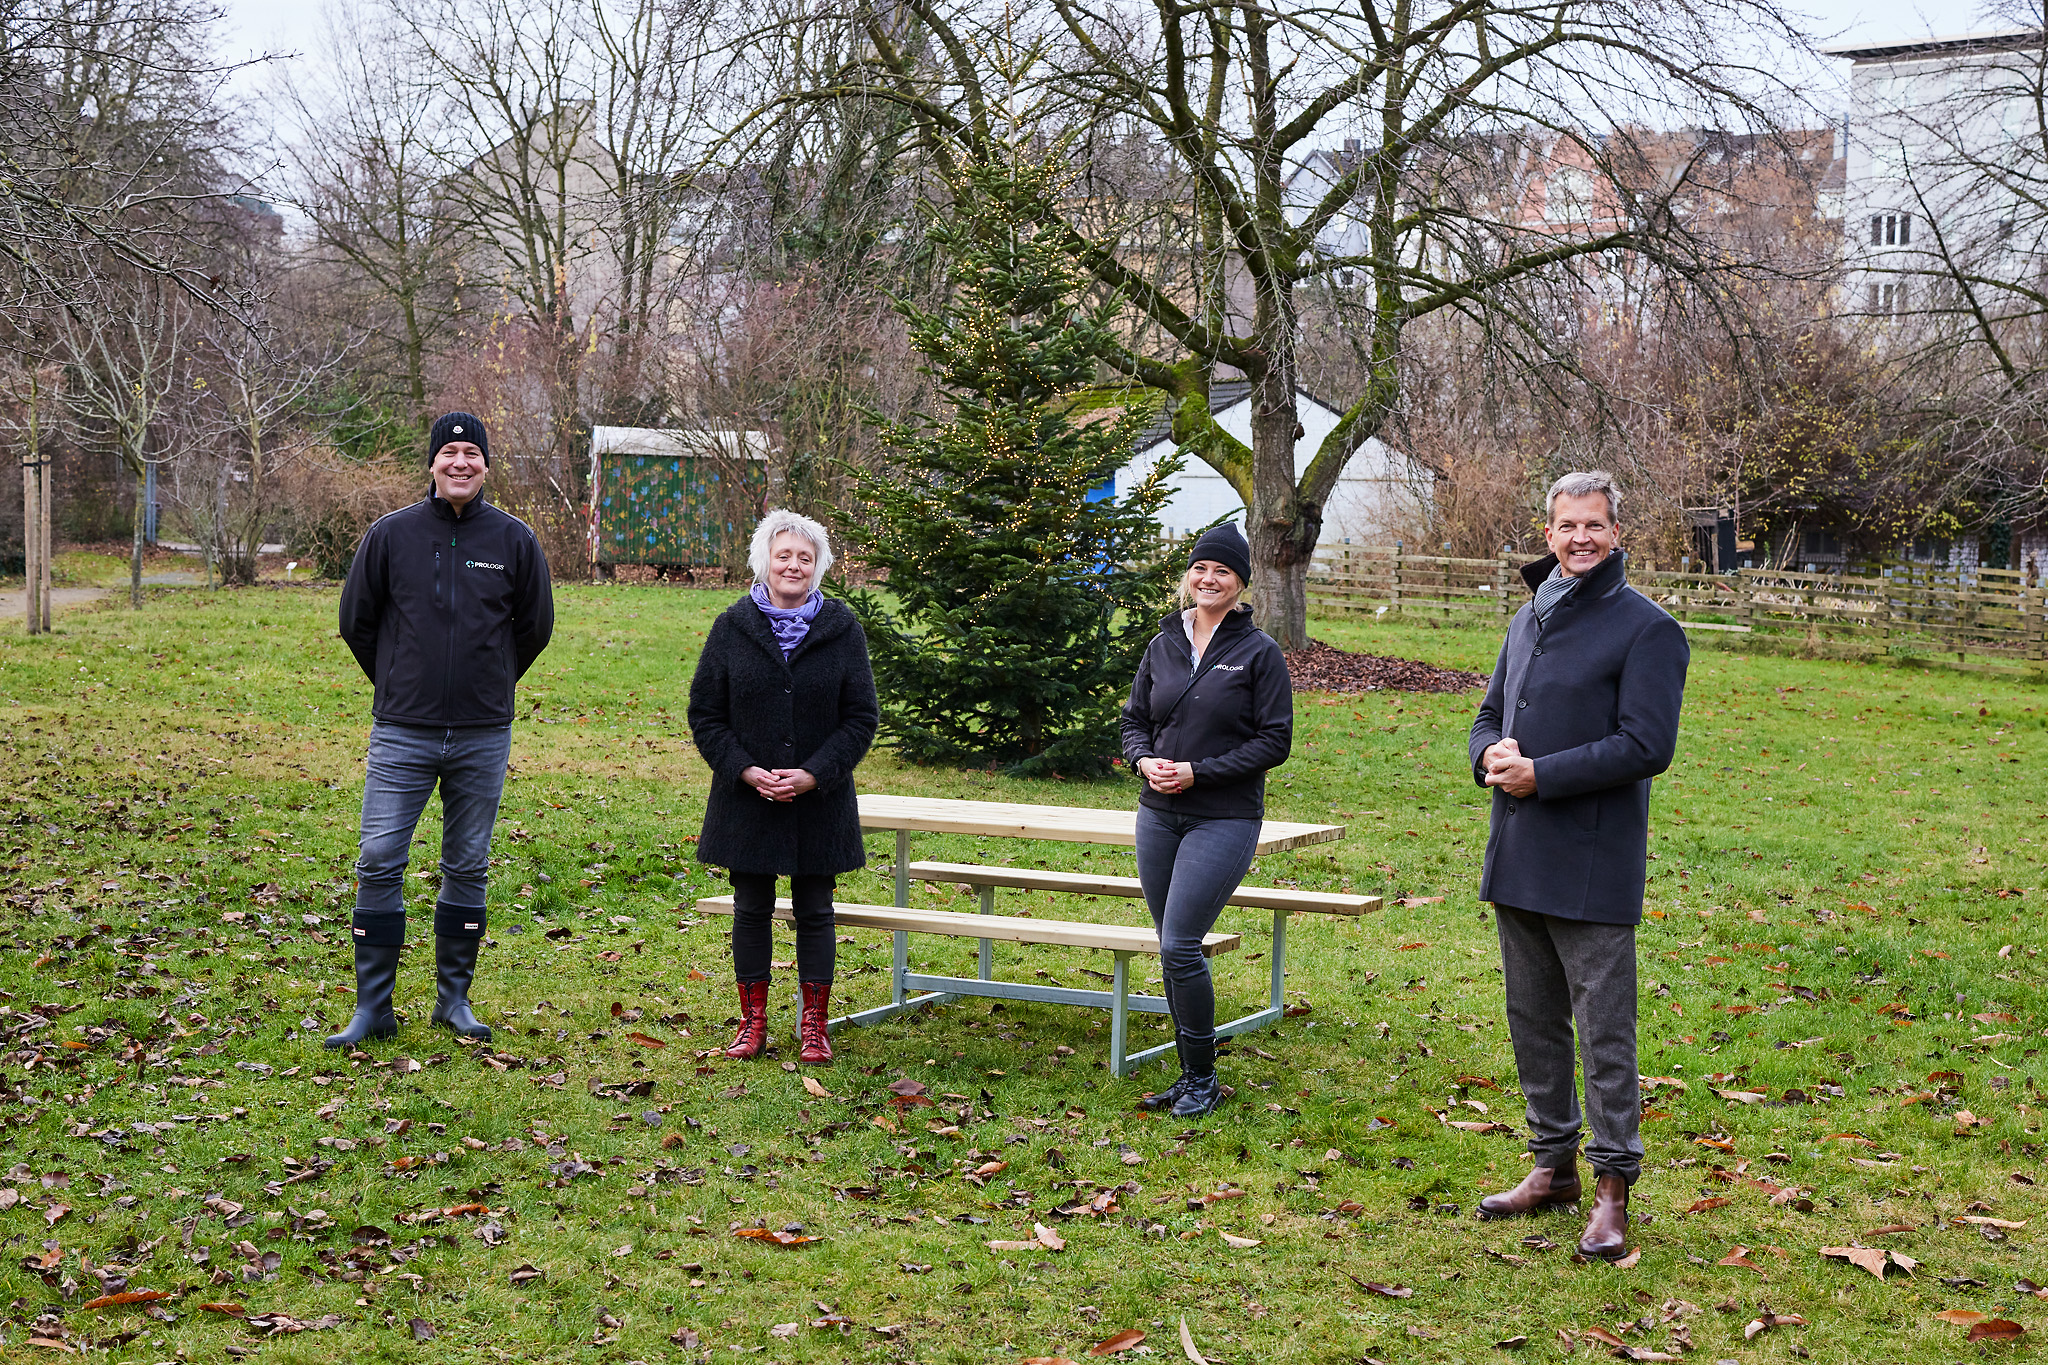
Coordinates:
480	564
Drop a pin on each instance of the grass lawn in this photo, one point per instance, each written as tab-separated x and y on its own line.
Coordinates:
1841	1017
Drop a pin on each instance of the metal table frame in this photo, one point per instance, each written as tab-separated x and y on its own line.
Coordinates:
1117	999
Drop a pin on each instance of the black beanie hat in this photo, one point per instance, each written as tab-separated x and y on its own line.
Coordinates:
457	426
1224	545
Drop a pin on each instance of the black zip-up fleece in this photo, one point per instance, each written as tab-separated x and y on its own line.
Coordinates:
445	613
1235	722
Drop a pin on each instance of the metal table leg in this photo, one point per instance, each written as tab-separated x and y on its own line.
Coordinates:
988	907
903	868
1119	1012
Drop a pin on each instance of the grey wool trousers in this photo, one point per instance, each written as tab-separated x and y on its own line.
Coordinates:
1563	974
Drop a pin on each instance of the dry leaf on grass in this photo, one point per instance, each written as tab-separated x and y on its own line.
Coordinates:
1766	1320
1122	1341
1628	1261
1739	1256
1996	1329
126	1297
1872	1259
1979	1220
1187	1345
816	1089
1239	1243
1961	1317
784	1329
1702	1205
775	1235
1045	1360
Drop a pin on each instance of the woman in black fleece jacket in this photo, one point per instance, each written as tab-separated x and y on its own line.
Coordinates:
1211	710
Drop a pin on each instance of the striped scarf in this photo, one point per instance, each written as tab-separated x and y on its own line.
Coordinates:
1552	591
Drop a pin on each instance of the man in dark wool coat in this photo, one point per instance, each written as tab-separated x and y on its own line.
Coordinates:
1581	712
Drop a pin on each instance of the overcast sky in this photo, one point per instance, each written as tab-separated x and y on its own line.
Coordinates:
281	26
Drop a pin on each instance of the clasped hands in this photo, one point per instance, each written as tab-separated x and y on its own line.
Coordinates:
1165	776
779	784
1508	770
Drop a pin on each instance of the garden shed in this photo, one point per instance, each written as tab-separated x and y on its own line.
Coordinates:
675	497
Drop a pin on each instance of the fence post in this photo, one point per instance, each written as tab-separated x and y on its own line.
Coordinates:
1502	579
1745	599
2037	635
1394	581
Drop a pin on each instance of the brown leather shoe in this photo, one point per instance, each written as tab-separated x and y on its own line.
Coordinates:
1607	1226
1544	1187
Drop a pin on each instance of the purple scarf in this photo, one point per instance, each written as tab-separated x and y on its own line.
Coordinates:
791	625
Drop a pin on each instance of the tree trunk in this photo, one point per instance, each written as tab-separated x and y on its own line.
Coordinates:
135	557
1283	529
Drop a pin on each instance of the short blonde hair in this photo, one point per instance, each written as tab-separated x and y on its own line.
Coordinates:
781	521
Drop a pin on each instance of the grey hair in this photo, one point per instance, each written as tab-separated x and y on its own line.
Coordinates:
1583	483
795	523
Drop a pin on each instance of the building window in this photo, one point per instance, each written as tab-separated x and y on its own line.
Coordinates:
1822	543
1891	229
1885	300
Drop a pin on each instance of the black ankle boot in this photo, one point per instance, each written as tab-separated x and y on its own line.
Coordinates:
1165	1099
455	968
1200	1091
376	978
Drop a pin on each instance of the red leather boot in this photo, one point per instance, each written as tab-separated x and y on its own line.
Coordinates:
816	1050
753	1034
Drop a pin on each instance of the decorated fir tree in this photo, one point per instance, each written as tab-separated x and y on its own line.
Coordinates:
1019	597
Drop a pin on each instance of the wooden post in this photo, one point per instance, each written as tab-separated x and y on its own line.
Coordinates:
1394	580
2034	602
1745	599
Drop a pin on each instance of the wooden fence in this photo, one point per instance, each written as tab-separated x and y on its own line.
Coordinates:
1991	613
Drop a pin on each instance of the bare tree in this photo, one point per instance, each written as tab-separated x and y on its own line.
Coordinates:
1235	96
126	359
251	419
367	162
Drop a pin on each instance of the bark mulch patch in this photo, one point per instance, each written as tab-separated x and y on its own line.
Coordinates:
1325	668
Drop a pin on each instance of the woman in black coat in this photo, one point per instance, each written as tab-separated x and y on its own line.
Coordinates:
1211	711
783	708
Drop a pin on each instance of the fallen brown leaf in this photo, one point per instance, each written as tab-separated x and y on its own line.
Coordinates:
126	1297
1996	1329
1961	1317
1122	1341
775	1235
813	1087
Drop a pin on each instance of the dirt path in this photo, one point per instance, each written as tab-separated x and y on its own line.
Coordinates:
14	605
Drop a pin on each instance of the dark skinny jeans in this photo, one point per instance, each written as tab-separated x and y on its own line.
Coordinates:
753	918
1188	866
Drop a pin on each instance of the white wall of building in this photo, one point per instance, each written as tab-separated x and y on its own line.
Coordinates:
1377	491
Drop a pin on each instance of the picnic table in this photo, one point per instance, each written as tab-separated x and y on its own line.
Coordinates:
908	815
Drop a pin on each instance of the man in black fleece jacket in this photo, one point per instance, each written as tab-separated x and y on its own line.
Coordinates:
447	605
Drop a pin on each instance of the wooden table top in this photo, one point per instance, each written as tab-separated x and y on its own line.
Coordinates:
1073	824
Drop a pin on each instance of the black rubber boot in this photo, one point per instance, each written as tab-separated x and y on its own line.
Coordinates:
376	978
1200	1091
1166	1098
458	934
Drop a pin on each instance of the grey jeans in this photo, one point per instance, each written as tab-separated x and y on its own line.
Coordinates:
406	764
1561	973
1188	866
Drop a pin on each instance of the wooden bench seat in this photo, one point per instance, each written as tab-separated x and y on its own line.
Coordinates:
1063	933
1081	883
1121	940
